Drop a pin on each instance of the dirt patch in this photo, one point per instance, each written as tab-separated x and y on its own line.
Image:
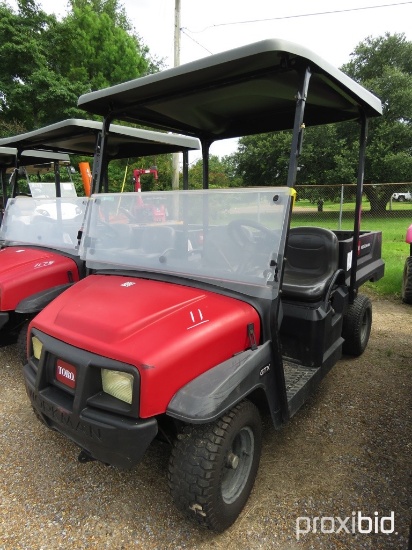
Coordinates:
347	451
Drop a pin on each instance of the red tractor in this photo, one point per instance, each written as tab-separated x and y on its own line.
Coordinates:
148	211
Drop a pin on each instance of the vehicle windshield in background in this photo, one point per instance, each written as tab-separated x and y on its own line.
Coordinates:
228	238
47	190
52	223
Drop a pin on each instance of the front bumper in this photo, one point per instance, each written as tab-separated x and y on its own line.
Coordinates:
4	318
105	428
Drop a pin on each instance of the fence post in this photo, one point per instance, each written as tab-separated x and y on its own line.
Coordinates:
341	207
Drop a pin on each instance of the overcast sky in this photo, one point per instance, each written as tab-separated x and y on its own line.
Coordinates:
212	26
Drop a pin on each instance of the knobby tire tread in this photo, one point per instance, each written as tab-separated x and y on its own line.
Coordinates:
354	343
407	281
195	468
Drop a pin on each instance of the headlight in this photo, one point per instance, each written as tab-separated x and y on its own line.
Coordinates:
37	347
118	384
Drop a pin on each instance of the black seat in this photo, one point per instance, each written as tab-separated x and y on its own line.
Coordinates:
312	258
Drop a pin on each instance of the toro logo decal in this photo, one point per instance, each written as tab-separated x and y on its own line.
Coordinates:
362	247
43	264
129	283
66	373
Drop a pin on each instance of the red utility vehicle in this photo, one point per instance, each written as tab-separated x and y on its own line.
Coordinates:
39	257
188	329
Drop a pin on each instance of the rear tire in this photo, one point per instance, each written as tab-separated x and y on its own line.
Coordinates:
407	281
357	324
213	467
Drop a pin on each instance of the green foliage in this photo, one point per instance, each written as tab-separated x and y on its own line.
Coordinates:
221	173
102	51
46	64
384	65
23	49
330	153
263	159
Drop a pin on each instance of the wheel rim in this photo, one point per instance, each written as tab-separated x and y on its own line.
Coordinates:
238	465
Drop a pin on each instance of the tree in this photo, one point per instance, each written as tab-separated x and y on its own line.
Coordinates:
384	66
330	153
47	64
102	48
24	64
263	159
221	173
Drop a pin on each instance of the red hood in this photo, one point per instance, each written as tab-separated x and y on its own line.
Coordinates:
171	333
25	271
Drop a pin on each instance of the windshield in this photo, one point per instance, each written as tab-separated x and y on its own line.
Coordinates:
229	238
47	190
53	223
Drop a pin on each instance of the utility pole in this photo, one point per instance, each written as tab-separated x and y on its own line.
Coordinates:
176	156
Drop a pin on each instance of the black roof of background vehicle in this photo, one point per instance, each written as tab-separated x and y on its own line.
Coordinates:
7	156
78	136
247	90
30	158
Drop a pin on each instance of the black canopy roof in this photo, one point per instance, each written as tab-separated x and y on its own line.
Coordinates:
30	158
247	90
7	156
79	137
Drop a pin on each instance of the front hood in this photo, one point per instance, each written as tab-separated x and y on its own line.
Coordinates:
170	332
25	271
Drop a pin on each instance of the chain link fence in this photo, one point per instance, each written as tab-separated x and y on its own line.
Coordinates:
333	206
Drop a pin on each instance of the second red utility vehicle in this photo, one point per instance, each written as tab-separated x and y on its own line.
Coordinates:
40	243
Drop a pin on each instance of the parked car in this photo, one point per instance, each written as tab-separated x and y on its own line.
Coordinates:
402	196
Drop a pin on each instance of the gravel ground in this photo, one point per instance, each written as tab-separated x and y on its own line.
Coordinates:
348	450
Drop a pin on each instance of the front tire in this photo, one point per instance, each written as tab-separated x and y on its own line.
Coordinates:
213	467
357	324
407	281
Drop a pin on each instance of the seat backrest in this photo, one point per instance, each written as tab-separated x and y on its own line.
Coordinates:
312	257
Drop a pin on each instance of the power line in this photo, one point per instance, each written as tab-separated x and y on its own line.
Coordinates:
195	41
294	17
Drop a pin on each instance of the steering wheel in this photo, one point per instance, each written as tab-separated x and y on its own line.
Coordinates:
252	245
238	231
